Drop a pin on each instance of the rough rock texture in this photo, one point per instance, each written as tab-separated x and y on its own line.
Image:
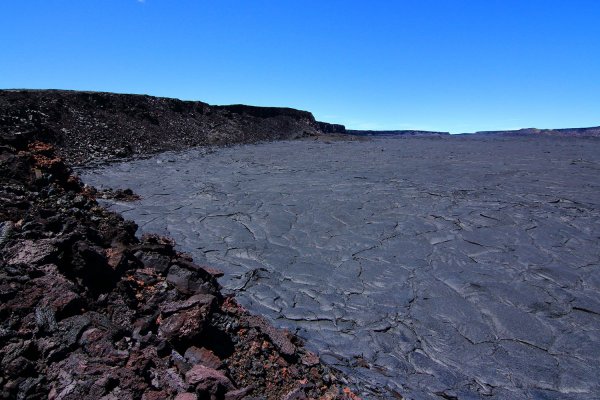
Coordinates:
95	126
87	310
326	127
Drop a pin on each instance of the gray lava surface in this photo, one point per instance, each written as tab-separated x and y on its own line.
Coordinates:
459	267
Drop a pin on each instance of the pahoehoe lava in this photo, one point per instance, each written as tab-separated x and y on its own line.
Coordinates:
457	267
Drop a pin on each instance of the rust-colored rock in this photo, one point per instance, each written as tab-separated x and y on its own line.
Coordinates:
199	300
32	252
238	394
184	325
309	359
203	356
278	337
186	396
208	380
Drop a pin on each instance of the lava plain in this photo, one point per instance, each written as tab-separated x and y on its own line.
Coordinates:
455	267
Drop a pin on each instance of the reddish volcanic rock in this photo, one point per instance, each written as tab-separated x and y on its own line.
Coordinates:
91	311
203	356
208	380
186	396
278	337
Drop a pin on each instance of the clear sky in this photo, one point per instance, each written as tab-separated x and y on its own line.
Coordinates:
453	65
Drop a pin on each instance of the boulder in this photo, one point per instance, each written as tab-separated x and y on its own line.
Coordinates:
203	356
208	380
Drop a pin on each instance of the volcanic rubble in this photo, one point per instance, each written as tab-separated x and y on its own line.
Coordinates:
88	310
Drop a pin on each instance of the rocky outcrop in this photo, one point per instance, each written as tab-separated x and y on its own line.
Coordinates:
326	127
88	310
95	126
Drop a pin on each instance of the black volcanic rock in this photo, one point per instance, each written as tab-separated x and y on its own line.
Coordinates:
266	112
326	127
96	126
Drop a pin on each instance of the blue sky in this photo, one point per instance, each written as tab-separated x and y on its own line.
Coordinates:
453	65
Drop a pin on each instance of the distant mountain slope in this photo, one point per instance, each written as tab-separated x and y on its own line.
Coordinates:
593	131
91	126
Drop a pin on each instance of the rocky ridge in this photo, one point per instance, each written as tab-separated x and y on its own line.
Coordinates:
574	132
88	310
96	126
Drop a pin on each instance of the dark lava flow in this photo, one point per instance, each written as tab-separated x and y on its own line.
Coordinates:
435	268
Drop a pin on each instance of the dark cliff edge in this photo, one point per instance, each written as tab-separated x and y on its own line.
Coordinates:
326	127
98	126
566	132
395	133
